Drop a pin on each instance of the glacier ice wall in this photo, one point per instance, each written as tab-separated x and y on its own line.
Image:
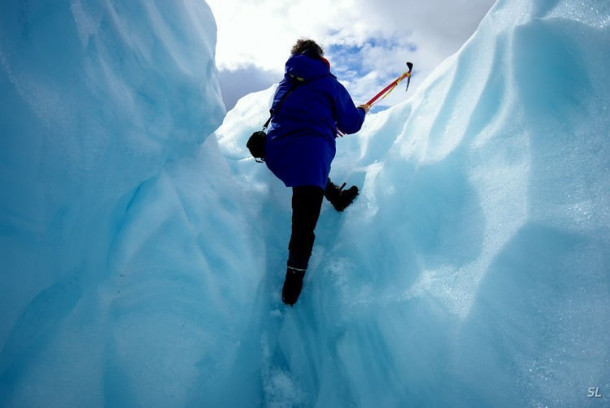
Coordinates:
99	100
141	261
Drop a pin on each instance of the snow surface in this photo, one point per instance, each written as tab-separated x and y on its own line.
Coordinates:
142	255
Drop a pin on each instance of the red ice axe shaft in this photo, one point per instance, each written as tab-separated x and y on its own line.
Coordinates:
386	91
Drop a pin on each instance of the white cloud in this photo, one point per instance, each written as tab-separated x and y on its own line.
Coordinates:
384	34
261	32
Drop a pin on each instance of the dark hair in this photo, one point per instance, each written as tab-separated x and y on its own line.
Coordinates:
309	47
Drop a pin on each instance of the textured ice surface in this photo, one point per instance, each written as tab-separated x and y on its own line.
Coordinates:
141	261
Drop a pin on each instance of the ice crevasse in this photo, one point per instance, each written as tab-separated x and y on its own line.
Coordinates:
142	250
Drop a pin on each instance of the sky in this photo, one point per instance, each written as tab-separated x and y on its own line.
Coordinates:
367	42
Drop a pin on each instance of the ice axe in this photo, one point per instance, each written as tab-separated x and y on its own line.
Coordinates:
386	91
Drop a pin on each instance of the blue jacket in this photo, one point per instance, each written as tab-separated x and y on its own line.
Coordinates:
300	143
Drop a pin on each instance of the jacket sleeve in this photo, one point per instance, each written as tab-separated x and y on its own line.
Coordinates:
349	118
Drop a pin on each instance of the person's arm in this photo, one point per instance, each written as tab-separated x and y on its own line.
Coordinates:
349	117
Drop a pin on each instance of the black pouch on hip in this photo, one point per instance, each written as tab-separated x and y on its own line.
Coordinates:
256	145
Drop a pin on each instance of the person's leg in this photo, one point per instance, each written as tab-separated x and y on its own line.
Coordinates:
306	205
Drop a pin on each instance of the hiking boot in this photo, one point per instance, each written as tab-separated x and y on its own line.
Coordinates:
339	197
292	285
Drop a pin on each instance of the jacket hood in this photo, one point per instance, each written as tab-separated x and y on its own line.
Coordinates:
303	66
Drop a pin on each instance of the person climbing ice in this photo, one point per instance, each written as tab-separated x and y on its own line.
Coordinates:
310	108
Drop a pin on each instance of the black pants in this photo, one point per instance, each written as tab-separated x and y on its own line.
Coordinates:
306	205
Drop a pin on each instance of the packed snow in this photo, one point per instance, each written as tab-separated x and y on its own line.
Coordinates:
142	251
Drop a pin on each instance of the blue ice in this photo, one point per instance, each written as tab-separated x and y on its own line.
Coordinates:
142	251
